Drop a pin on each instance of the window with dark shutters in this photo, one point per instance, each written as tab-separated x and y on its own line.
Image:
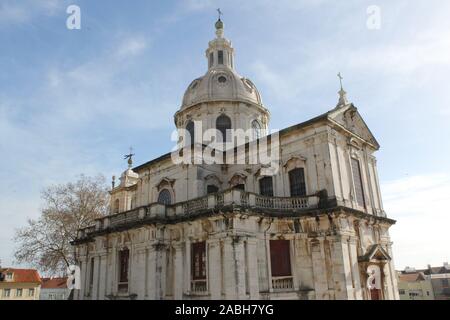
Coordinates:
124	257
212	189
199	261
297	182
266	186
357	180
280	258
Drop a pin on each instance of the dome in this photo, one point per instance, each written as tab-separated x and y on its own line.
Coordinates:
221	84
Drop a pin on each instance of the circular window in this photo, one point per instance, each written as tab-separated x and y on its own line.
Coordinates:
222	79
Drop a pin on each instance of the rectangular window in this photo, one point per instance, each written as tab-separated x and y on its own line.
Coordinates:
31	292
220	57
266	186
401	291
124	257
199	261
211	59
18	292
297	182
7	293
357	180
9	276
445	283
280	258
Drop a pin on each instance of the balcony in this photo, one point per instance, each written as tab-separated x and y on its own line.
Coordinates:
218	201
282	283
199	287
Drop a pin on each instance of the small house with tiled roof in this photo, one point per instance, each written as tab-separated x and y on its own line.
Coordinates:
19	284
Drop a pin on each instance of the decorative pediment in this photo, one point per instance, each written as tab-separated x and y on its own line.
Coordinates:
263	171
296	161
238	178
213	177
375	253
351	119
165	182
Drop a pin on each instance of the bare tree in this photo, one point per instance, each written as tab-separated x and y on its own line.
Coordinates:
45	243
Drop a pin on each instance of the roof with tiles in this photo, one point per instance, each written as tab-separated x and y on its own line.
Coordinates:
22	275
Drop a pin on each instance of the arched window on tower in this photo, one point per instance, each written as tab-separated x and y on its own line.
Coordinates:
223	125
256	128
211	59
220	57
165	197
190	130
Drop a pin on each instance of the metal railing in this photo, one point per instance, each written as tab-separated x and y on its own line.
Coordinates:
199	286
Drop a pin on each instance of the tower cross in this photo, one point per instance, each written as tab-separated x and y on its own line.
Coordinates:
340	78
219	12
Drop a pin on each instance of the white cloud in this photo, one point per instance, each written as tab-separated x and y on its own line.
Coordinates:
18	12
420	206
132	46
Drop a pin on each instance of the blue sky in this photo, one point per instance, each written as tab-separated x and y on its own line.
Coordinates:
73	101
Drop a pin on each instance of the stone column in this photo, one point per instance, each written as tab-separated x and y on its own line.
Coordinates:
178	271
151	273
305	277
103	261
390	268
342	269
160	271
353	253
214	269
319	270
96	279
139	272
83	268
230	285
187	266
252	268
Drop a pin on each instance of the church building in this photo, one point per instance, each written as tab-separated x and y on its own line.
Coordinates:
307	224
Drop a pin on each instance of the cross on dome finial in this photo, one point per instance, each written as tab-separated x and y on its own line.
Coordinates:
343	101
219	24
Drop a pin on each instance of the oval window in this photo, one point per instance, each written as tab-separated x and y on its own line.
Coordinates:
222	79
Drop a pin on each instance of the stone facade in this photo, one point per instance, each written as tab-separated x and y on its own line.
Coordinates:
334	236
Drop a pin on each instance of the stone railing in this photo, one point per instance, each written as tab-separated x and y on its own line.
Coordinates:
195	205
283	203
213	201
282	283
